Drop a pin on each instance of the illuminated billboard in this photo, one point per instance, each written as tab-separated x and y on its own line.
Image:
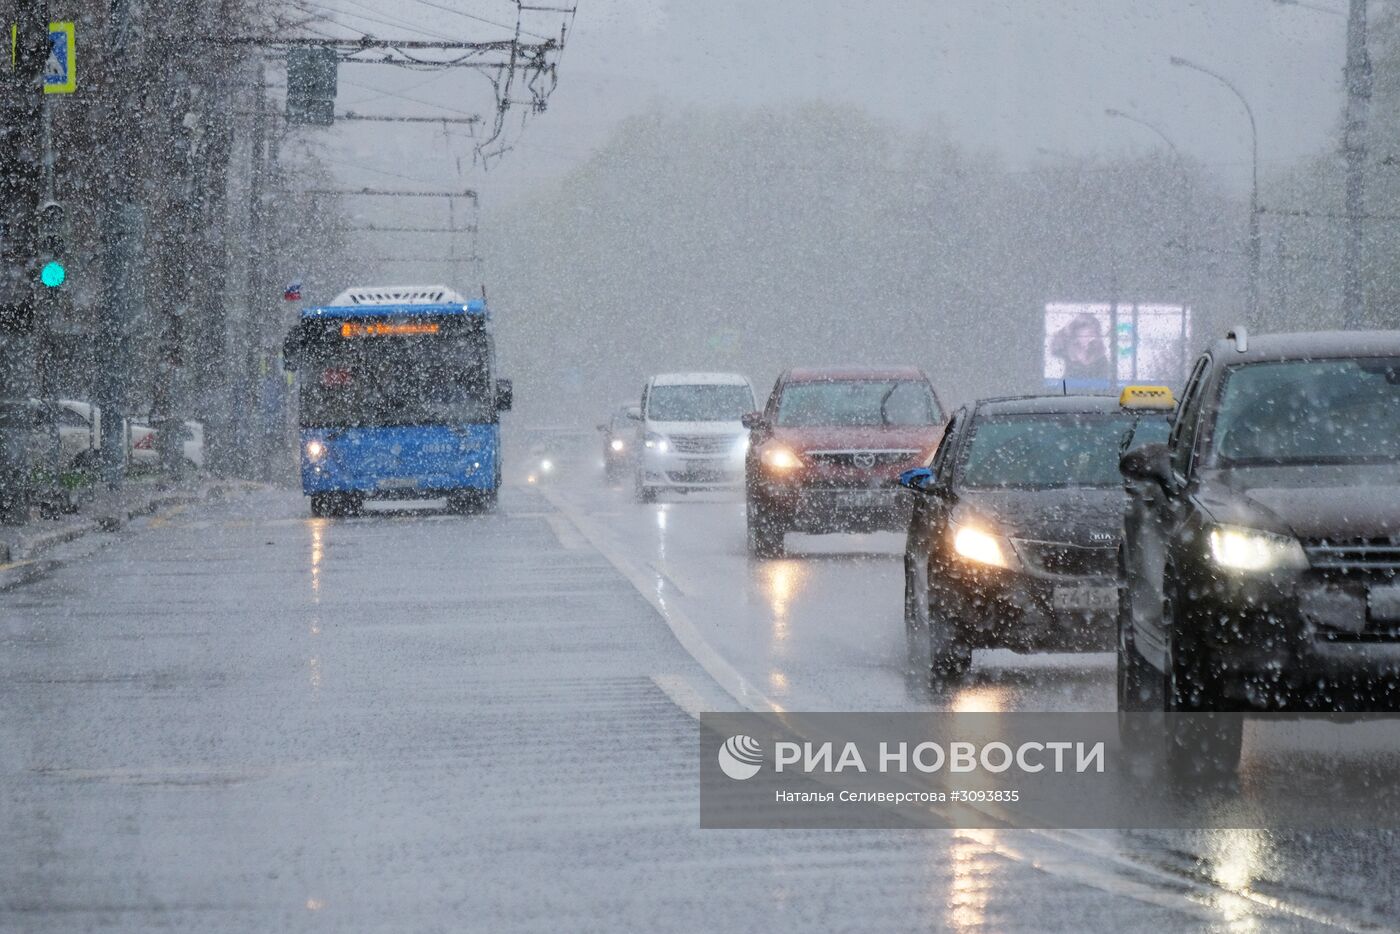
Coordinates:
1107	345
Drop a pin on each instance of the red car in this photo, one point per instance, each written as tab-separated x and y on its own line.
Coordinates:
826	453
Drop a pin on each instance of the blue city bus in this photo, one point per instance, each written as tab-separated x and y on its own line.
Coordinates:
398	400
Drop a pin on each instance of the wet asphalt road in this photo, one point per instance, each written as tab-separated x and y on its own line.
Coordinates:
239	718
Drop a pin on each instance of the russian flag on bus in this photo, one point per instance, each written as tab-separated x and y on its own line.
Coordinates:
292	292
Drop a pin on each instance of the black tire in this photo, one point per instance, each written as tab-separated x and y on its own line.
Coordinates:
643	493
949	658
916	612
765	531
1137	689
1204	743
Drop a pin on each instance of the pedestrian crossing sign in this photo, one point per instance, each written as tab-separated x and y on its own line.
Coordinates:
61	69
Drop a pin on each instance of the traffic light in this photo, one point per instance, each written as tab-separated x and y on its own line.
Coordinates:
53	270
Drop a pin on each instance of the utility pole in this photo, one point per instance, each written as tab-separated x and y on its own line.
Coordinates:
246	387
123	222
21	190
1358	82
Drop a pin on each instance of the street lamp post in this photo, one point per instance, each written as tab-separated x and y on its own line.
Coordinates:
1185	183
1254	245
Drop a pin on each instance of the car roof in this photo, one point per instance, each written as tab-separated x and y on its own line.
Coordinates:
699	379
1310	344
1057	404
817	374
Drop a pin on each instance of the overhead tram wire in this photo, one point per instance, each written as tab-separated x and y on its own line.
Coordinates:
481	19
396	23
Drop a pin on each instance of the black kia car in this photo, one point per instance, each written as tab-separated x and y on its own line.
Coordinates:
1262	540
1014	535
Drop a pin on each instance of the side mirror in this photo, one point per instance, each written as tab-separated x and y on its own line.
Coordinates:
634	412
753	421
1149	463
918	479
505	395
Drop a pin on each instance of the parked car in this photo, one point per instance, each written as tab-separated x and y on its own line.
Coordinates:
826	452
1262	539
144	444
1013	539
693	437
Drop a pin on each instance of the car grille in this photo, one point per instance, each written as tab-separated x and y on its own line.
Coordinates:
1365	555
702	476
703	444
1068	560
860	460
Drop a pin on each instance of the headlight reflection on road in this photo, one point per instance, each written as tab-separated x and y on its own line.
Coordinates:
972	865
983	698
1236	858
781	580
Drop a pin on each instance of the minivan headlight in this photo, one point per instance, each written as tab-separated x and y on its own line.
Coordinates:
1242	549
656	442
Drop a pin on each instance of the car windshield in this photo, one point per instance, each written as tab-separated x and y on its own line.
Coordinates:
699	402
872	403
1048	451
1309	412
398	382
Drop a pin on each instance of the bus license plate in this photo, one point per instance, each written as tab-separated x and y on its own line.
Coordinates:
398	483
1085	597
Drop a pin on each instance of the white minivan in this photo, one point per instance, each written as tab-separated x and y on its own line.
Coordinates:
691	434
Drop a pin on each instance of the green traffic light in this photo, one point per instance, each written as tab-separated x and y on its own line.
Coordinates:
53	274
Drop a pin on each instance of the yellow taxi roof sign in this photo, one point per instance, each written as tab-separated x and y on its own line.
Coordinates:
1147	397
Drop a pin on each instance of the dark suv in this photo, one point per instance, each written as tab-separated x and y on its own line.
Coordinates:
1015	527
1262	541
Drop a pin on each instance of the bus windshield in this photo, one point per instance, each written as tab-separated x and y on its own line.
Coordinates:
399	381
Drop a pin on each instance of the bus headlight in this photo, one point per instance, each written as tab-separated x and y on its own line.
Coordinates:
315	451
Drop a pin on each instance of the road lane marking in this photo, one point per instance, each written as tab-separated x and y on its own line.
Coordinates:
568	536
656	589
1055	853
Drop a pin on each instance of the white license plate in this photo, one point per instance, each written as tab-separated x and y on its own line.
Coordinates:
1384	604
1085	598
398	483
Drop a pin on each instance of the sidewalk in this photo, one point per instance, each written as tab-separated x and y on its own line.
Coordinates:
22	547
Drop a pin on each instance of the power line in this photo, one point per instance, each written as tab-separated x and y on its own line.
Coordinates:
388	193
481	19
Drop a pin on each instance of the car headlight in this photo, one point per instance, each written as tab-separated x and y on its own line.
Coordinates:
315	451
546	466
777	458
981	547
656	442
616	444
741	446
1242	549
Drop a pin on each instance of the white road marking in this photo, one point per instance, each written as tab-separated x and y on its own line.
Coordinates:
1052	852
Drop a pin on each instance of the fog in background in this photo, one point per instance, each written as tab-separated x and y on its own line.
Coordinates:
727	185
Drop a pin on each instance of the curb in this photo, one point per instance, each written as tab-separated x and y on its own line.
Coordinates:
17	558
